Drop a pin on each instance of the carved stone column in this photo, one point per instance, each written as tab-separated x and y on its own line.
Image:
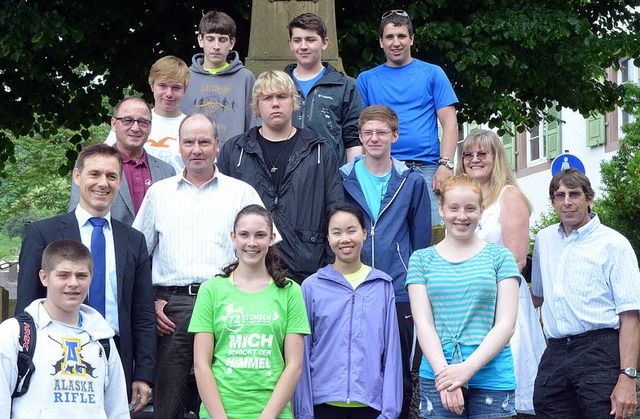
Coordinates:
269	38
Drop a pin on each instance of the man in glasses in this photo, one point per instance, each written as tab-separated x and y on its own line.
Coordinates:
168	79
131	123
395	202
422	95
586	278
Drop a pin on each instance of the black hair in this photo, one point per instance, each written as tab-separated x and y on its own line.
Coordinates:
348	208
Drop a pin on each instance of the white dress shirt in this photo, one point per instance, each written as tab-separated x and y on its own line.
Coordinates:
111	281
188	229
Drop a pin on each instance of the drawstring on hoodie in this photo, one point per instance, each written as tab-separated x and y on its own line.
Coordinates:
318	153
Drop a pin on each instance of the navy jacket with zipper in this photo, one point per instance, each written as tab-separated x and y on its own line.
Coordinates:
331	110
403	225
310	185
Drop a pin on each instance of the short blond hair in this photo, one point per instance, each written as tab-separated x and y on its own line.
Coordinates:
274	81
169	68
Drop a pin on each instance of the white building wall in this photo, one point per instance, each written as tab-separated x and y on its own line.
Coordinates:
536	186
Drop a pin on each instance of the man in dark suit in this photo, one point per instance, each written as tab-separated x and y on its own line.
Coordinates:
131	123
128	303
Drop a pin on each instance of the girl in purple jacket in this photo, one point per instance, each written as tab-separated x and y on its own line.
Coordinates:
351	366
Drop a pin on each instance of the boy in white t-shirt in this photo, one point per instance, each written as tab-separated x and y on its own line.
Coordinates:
168	78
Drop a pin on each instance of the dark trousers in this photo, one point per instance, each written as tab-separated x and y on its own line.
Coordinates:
326	411
407	339
577	375
175	359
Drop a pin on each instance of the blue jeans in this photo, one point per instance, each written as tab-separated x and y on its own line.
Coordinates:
576	376
479	403
175	358
428	171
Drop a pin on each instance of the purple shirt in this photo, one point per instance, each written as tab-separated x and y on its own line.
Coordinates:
138	177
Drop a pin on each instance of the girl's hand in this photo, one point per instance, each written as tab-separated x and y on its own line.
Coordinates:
453	400
452	377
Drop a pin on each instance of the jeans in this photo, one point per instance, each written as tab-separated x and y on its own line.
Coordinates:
479	403
175	358
576	376
428	171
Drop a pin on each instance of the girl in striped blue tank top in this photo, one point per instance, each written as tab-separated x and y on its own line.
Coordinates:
464	300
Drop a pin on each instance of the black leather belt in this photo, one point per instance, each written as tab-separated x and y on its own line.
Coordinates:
413	163
191	289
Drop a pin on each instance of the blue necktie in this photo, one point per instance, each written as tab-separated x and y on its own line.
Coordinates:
97	289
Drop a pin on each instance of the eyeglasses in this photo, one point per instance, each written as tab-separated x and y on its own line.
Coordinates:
127	121
394	12
561	196
379	133
480	155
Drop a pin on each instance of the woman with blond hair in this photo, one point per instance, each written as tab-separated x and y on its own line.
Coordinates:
505	221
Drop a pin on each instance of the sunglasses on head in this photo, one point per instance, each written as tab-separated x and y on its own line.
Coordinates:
395	12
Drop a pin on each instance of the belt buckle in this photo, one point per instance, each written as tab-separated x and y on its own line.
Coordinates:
191	292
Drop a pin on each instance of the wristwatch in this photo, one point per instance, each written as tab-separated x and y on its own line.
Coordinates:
630	372
446	161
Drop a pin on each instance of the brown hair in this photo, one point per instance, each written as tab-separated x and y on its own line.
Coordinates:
101	149
218	22
65	250
573	179
380	113
309	21
272	260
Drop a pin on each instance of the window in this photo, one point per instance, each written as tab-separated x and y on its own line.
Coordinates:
544	140
628	73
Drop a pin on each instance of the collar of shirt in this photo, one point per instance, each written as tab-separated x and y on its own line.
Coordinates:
126	160
83	218
182	178
583	231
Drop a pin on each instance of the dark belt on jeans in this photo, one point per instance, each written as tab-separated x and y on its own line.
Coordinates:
413	163
191	289
589	334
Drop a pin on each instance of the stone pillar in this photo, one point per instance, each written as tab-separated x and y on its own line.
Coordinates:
269	38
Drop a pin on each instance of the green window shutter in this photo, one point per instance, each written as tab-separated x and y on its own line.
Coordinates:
509	143
595	130
553	138
472	126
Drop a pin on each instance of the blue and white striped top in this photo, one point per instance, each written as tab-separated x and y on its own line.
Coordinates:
463	300
586	278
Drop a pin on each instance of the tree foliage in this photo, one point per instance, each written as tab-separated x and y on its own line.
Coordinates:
508	59
619	208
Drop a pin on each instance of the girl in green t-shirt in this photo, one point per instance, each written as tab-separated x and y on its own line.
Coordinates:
250	321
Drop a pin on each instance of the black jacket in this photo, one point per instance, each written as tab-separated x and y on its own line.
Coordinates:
310	185
331	110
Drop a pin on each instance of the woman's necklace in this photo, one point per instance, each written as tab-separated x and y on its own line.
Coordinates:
274	163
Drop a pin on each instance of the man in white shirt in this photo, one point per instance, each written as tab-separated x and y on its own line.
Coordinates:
585	275
187	221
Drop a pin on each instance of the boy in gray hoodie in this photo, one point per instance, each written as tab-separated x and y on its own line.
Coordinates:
220	85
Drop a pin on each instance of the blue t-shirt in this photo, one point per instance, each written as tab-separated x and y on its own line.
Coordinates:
463	301
416	92
373	187
306	85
